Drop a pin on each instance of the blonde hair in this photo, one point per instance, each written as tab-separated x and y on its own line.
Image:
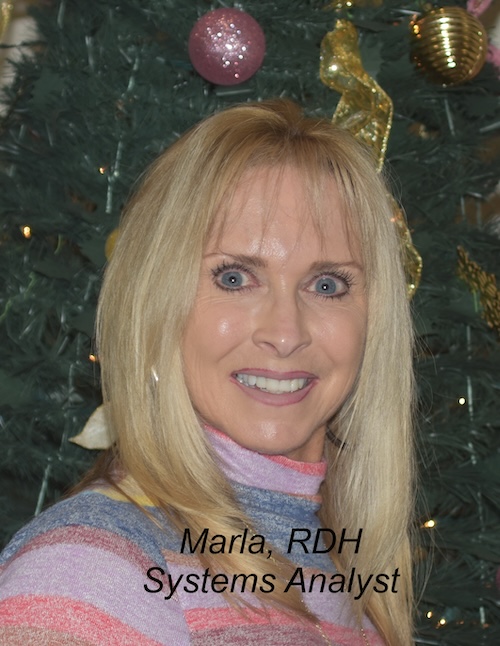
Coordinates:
148	291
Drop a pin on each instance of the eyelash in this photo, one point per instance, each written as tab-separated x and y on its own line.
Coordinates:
346	277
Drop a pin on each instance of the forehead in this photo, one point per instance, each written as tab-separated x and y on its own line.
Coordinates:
275	210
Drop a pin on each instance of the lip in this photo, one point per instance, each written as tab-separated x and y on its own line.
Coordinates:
271	399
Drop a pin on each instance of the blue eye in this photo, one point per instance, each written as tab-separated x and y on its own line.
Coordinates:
326	286
232	279
331	286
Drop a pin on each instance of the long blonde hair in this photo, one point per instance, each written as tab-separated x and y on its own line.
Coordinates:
148	291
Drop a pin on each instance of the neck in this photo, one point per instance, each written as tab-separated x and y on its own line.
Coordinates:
272	472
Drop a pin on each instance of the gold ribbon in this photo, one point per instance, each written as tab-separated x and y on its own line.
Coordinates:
478	280
364	108
366	111
6	9
412	260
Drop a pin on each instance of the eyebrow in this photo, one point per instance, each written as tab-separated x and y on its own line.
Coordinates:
326	266
321	266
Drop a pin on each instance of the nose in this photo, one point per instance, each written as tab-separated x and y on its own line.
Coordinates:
282	326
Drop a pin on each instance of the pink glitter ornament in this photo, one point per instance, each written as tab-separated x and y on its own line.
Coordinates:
476	8
226	46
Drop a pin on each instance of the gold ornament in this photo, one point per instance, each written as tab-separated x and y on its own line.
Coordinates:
364	108
110	243
448	44
480	281
366	111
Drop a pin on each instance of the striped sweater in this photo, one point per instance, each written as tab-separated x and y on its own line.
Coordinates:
95	570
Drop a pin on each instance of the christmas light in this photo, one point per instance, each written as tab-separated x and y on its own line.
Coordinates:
462	401
430	523
92	358
26	231
102	169
429	614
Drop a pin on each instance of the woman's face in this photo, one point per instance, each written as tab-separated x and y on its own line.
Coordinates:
275	339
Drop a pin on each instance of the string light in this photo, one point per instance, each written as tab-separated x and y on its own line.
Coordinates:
442	621
26	231
430	523
429	614
93	358
462	401
102	169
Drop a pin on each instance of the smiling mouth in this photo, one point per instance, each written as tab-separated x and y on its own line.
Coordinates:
273	386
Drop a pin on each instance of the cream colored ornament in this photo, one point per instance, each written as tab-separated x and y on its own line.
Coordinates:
95	434
448	44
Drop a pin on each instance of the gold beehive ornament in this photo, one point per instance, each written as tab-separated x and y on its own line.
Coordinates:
448	44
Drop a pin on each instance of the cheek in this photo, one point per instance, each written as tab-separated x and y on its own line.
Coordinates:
218	321
223	328
213	330
225	325
344	338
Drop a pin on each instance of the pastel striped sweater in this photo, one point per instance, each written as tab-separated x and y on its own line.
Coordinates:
77	574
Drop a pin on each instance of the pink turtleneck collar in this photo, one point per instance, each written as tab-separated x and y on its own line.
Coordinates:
272	472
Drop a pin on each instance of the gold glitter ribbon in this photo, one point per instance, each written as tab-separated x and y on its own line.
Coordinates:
478	280
366	111
412	260
364	108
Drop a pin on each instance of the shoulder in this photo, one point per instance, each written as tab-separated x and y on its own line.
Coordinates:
80	569
93	517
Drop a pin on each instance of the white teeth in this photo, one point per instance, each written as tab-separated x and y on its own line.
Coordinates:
275	386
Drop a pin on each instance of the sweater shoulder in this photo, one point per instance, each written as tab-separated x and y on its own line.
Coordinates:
89	516
79	572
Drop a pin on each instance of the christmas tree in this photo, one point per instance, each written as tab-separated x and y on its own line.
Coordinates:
105	88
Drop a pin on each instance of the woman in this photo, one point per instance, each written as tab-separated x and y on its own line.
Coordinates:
254	340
